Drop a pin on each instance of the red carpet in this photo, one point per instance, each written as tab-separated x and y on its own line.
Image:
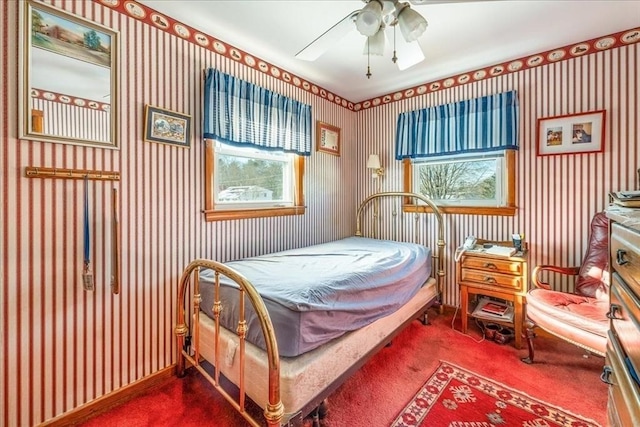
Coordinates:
377	393
454	396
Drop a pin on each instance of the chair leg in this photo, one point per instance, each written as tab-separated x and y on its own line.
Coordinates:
529	335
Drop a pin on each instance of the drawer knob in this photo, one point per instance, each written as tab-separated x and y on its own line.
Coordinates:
605	377
620	254
490	279
490	265
611	314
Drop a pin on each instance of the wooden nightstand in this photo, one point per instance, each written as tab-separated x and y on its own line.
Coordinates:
506	278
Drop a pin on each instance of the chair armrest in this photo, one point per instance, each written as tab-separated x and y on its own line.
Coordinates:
537	282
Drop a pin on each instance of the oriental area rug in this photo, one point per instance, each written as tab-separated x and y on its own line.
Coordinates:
455	397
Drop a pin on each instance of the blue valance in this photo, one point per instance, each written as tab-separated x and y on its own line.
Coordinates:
483	124
238	112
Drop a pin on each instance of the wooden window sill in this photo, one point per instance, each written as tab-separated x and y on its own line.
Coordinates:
227	214
465	210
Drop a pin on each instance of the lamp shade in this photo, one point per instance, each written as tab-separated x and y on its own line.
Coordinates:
369	19
412	24
375	45
373	162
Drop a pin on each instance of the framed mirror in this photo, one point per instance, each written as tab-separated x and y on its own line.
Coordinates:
68	71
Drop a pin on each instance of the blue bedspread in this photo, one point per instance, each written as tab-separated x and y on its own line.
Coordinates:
317	293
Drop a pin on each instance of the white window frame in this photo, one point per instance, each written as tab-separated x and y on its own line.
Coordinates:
501	178
256	153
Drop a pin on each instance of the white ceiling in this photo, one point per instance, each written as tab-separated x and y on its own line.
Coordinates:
461	36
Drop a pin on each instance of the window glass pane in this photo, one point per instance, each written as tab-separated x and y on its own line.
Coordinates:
247	176
452	181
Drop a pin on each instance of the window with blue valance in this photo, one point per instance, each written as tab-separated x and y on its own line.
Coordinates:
240	113
483	124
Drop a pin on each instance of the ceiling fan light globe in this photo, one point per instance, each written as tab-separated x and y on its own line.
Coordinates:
369	19
412	24
376	44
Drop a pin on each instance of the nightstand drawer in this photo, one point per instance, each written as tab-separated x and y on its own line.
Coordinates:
489	278
493	265
625	255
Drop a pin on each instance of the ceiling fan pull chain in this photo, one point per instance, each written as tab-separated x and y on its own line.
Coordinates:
394	58
368	60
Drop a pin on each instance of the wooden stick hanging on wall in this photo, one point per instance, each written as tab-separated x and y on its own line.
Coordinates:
115	244
38	172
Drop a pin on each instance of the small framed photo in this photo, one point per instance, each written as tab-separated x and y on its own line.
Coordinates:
327	138
571	134
168	127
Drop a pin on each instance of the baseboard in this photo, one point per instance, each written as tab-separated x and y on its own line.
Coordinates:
115	398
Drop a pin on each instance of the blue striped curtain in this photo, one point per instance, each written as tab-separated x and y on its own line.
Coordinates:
483	124
240	113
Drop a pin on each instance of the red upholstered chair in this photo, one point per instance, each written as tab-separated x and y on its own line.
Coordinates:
580	317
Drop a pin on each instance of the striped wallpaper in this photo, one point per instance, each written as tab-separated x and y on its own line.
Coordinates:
73	121
556	195
63	347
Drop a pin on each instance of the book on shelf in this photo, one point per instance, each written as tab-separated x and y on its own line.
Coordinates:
489	309
495	308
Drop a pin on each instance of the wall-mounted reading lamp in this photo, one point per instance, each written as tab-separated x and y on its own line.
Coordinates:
374	163
377	170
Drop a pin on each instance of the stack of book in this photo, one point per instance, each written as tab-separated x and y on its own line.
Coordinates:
489	309
628	199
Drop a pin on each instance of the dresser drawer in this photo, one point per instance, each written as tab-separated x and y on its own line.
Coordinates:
490	278
625	255
624	394
493	265
625	321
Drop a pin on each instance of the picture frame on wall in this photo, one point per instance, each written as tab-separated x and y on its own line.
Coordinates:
167	127
327	138
571	134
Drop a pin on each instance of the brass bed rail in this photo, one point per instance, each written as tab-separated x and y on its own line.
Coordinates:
274	412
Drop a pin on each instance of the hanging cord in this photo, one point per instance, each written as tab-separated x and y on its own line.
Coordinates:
87	275
368	59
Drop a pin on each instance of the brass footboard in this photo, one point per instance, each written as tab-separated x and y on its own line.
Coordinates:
274	410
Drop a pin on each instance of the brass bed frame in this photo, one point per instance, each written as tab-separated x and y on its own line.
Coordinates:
274	411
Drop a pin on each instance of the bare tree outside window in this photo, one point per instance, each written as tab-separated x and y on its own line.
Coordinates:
458	180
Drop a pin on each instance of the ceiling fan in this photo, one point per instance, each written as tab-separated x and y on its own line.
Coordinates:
373	21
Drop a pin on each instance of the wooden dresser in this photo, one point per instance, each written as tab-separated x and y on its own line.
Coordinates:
505	278
623	347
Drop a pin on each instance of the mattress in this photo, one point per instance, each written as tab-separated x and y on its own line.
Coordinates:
302	378
317	293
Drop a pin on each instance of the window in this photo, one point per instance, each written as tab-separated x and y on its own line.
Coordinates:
255	140
461	180
462	155
247	177
465	184
248	182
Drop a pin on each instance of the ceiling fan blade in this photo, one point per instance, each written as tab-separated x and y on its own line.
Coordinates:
329	38
409	54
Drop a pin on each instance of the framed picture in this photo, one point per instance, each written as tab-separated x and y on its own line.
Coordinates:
327	138
571	134
167	126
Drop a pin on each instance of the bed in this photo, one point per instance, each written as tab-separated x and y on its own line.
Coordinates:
286	329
